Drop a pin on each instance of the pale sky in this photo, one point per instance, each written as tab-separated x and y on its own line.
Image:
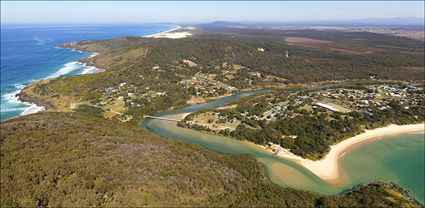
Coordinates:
195	11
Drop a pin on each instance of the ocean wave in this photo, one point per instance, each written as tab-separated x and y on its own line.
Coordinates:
33	108
39	41
11	96
19	86
4	110
90	70
13	104
30	107
75	50
66	69
93	55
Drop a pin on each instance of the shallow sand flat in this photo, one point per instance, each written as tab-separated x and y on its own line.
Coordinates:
328	168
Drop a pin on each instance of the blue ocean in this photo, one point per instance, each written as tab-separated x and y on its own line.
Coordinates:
30	53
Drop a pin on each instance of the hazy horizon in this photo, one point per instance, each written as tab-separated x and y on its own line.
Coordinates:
203	12
324	21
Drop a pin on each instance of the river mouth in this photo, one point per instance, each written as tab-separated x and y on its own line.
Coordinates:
290	174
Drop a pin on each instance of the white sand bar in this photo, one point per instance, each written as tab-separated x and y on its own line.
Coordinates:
172	34
328	168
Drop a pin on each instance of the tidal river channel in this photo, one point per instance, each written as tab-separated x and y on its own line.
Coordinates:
398	159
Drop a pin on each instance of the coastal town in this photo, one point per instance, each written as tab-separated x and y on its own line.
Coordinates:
197	84
226	79
342	100
335	105
205	85
339	100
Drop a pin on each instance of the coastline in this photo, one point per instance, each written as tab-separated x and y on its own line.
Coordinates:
177	27
294	175
172	34
338	177
34	106
328	168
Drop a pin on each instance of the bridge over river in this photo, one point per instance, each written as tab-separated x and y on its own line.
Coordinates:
162	118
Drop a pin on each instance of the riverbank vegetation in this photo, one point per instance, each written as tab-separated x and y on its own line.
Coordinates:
81	159
309	122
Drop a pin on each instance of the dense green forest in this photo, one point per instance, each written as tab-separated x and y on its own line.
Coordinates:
76	159
316	133
370	195
81	159
304	64
73	156
147	64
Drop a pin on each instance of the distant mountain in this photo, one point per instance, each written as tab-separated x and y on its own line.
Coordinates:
394	21
227	24
222	23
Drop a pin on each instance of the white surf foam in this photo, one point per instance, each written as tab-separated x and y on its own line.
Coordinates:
19	86
66	69
91	70
11	96
13	103
75	50
93	55
4	110
33	108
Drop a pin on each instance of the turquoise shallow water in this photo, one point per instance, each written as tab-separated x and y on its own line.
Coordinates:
398	159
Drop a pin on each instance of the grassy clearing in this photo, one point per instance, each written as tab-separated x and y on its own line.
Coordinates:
338	107
212	121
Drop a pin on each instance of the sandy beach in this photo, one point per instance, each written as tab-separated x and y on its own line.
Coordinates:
172	34
328	168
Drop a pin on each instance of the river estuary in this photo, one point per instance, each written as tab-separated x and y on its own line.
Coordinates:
398	159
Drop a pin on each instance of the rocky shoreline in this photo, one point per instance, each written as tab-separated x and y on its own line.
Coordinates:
24	97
